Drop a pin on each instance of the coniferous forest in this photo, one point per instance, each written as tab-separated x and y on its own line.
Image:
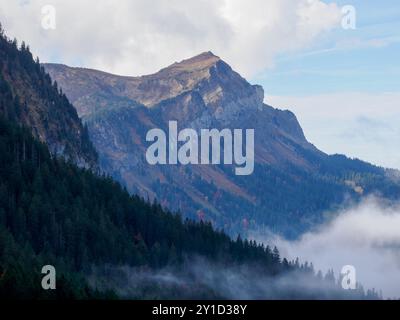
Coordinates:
52	212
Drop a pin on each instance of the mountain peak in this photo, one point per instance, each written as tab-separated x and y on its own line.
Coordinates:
206	57
202	61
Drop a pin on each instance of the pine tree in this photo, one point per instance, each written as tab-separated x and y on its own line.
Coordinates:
276	254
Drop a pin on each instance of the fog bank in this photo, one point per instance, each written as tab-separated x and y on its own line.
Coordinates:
366	236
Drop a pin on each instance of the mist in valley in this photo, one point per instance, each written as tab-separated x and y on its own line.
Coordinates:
366	236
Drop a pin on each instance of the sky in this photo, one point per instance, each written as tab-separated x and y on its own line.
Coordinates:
343	84
344	88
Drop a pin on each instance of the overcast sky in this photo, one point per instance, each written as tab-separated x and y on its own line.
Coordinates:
342	84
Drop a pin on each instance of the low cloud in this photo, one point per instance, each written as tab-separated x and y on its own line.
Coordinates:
366	236
203	279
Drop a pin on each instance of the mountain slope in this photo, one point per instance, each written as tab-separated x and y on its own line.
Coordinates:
28	96
293	182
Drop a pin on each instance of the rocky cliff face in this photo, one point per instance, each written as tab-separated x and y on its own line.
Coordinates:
289	188
28	96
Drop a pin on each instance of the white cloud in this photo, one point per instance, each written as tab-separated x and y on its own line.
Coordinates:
141	36
362	125
366	237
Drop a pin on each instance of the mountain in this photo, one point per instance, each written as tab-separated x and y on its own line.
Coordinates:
293	183
28	96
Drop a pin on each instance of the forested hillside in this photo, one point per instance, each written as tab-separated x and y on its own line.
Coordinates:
29	97
52	212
